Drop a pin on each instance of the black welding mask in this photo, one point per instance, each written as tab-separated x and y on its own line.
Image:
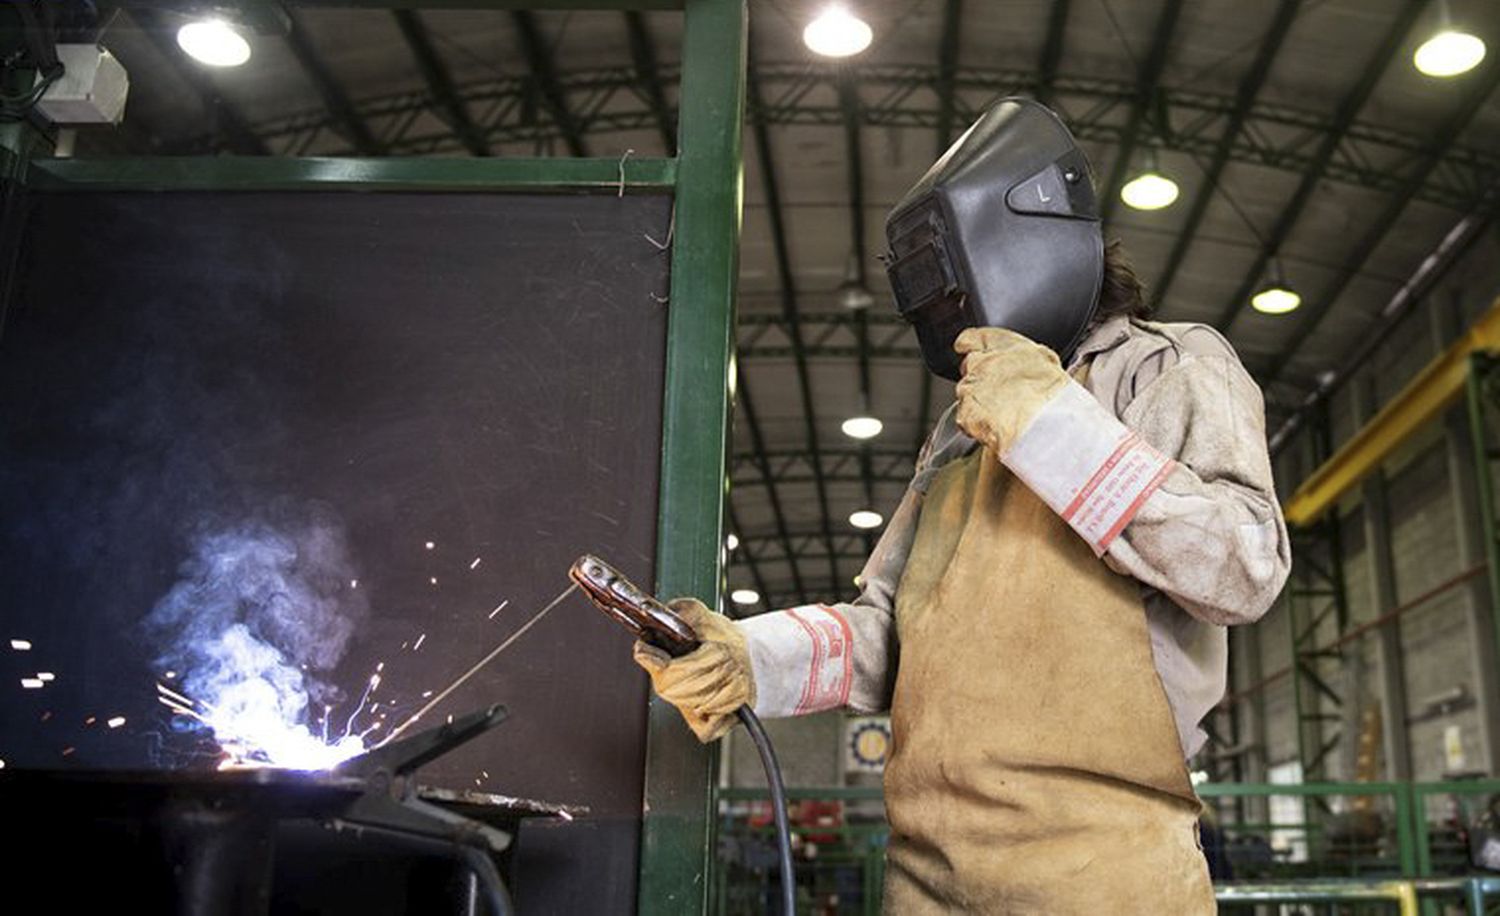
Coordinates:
1002	231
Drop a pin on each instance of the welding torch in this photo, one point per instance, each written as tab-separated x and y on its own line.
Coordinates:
654	623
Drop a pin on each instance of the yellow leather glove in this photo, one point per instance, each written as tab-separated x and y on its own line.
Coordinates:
708	684
1006	380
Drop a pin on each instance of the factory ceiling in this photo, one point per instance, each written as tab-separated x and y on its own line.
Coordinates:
1303	141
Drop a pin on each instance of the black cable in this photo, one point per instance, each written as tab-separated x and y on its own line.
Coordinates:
778	808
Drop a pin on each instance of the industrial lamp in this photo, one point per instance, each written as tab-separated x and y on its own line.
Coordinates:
862	427
213	42
1450	51
744	596
1149	190
837	33
866	519
1277	297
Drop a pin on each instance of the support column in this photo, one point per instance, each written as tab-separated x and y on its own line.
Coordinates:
1465	492
1383	590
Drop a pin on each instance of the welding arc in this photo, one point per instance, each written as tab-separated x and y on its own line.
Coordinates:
478	665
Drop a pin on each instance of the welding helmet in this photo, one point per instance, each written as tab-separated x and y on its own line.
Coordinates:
1002	231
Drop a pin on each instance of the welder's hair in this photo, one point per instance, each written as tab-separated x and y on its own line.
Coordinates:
1122	292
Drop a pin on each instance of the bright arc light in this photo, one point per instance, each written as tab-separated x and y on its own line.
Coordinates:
732	542
1449	53
1275	300
862	427
1149	191
837	33
865	518
745	596
213	42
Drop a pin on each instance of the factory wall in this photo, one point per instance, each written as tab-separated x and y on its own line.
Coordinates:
1430	511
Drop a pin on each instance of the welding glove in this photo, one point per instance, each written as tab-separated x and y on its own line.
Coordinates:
1006	381
1068	448
708	684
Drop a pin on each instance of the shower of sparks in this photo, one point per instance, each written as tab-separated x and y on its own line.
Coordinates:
116	722
46	676
263	742
21	645
420	639
32	683
499	608
475	564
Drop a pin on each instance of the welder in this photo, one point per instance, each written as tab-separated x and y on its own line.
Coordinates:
1044	616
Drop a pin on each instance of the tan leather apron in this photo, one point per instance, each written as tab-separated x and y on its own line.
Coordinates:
1035	765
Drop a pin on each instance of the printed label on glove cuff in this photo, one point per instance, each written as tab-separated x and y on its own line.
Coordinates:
801	659
1088	466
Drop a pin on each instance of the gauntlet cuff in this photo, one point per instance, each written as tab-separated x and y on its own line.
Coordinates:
801	659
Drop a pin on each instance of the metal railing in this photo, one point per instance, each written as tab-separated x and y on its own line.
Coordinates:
1401	866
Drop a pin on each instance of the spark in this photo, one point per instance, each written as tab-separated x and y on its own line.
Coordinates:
478	783
475	564
170	675
433	580
21	645
426	694
500	607
45	676
2	764
68	751
166	691
46	715
430	545
405	644
32	683
565	815
485	773
364	698
450	718
90	720
354	583
379	667
116	722
420	639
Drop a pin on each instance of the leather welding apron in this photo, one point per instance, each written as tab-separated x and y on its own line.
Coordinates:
1035	767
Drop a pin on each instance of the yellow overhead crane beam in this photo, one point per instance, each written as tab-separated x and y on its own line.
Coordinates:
1425	398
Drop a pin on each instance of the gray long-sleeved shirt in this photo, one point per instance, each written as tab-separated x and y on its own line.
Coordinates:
1208	547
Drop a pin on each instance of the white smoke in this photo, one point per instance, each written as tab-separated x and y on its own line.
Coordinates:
261	612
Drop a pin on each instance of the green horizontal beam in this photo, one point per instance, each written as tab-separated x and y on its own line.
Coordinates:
1261	789
263	173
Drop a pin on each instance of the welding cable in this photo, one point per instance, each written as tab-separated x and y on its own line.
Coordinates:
778	808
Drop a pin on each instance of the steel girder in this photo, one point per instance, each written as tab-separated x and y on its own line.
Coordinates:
510	110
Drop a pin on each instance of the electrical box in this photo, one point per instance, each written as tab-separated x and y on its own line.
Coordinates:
91	90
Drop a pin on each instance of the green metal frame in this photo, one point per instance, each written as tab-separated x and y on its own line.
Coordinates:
1484	372
677	840
1410	878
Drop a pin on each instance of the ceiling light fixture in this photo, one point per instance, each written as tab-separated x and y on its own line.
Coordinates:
1449	53
862	427
1277	297
732	542
213	42
866	519
837	33
745	596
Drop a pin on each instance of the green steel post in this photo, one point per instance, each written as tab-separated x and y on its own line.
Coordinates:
677	838
1407	812
1480	364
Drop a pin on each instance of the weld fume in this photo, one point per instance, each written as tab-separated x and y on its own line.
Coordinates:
262	610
